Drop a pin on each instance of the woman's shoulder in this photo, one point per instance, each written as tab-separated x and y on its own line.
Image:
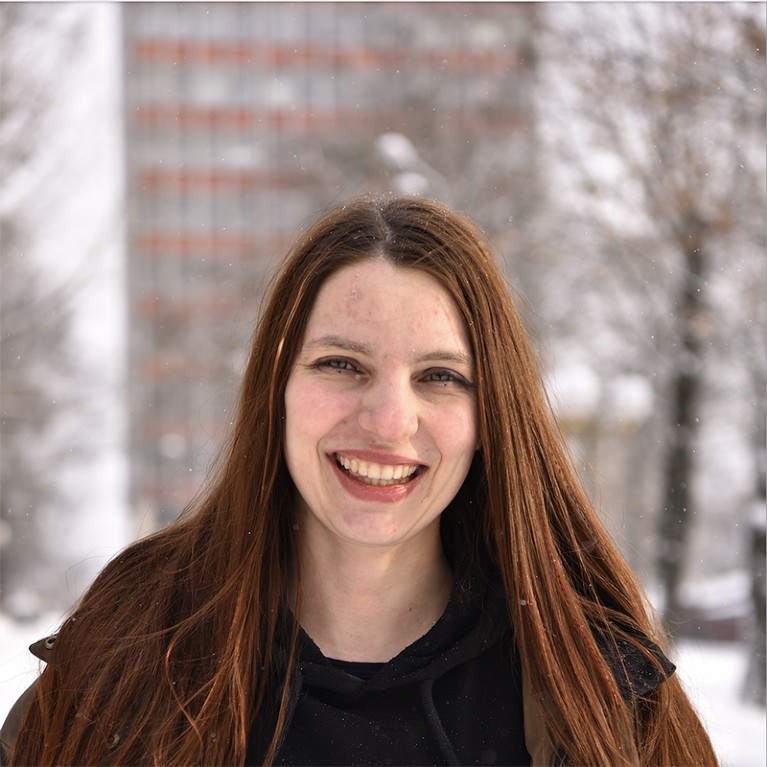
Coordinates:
135	597
12	724
42	649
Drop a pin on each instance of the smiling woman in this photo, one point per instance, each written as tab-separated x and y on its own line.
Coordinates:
395	563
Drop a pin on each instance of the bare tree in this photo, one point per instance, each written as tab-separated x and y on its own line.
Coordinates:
37	365
655	117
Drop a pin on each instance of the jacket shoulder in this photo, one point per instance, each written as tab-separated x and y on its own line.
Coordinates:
42	649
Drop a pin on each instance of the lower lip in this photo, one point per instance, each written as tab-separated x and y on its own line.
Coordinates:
380	493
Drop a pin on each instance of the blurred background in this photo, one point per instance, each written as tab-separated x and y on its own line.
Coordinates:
157	160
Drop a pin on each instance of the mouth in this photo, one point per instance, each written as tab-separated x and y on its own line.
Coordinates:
377	474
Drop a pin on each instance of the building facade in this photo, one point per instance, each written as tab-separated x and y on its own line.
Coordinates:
242	121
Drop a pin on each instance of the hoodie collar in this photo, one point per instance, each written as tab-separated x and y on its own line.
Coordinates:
474	620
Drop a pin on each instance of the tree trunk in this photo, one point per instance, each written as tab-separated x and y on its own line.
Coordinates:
677	511
755	682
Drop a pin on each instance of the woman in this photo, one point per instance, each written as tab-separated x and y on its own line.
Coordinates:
395	563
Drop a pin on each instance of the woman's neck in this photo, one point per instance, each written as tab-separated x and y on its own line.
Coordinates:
364	604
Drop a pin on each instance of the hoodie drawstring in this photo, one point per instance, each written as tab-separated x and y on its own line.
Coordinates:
445	746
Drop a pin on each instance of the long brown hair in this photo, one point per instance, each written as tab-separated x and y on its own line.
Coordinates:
175	650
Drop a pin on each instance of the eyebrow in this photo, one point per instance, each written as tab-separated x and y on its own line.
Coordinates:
340	342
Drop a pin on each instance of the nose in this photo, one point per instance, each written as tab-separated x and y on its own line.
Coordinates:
389	410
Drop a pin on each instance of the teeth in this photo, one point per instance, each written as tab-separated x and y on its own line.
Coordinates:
377	474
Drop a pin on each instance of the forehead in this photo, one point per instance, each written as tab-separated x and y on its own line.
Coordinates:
376	298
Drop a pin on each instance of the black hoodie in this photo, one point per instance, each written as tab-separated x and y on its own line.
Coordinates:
453	697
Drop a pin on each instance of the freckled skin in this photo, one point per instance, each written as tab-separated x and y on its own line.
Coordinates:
385	372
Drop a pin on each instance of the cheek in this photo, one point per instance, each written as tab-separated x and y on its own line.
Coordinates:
298	426
312	412
459	435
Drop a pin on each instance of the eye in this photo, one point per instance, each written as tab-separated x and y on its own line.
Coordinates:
337	364
444	377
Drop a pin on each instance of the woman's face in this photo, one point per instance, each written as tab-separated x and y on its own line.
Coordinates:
381	423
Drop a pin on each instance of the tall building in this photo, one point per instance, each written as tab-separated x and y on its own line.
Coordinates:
242	121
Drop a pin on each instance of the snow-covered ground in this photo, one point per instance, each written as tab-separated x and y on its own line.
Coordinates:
712	673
